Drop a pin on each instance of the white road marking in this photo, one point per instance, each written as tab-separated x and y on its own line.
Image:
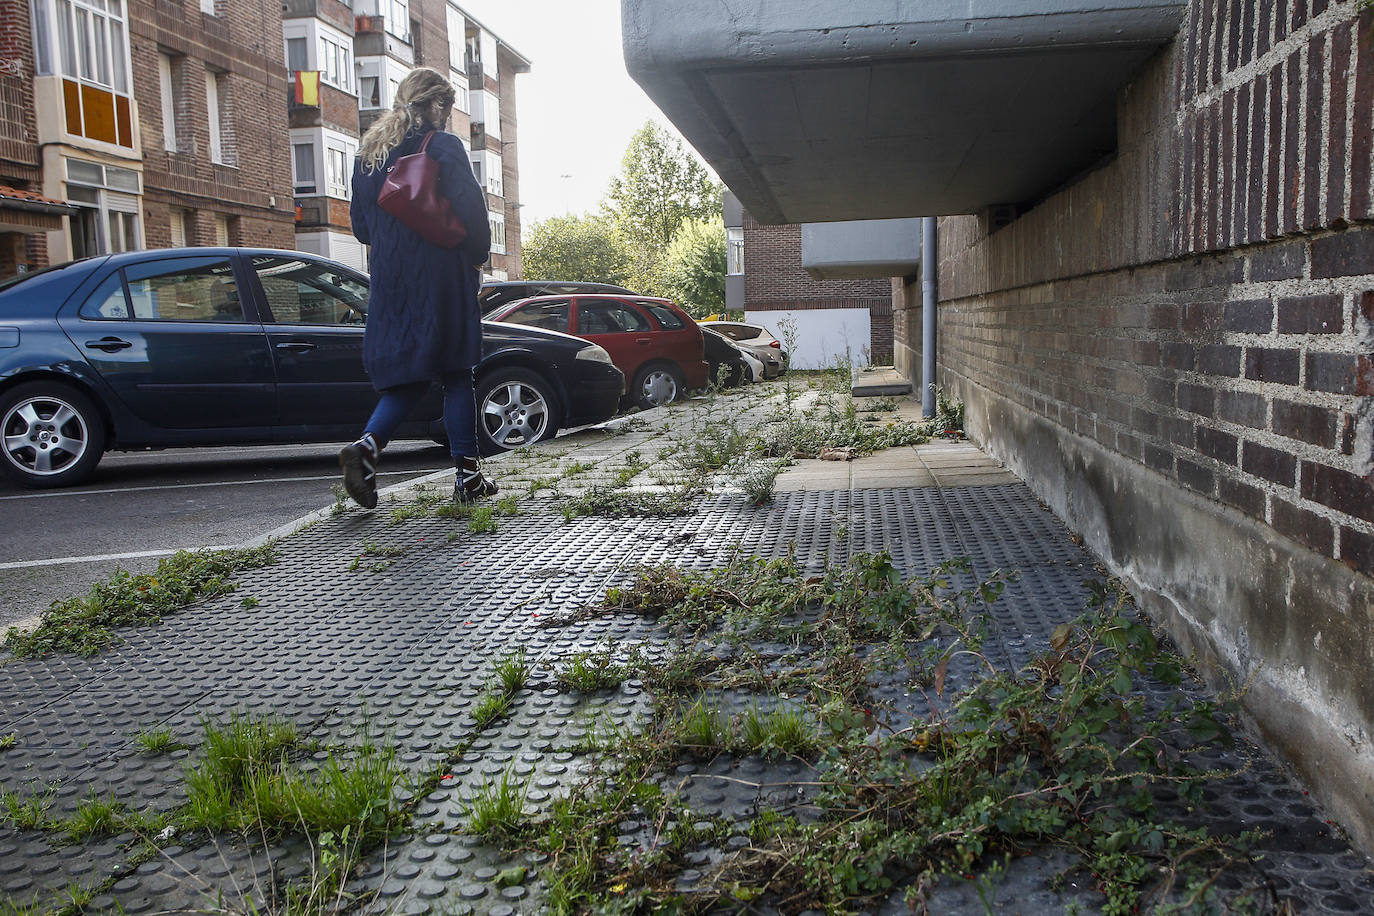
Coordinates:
100	558
195	486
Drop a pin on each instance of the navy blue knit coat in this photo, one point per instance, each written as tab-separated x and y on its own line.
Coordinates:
423	318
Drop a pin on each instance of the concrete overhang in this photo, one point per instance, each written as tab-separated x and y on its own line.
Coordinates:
813	111
861	249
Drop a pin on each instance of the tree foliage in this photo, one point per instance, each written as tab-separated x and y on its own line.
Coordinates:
692	271
585	248
660	186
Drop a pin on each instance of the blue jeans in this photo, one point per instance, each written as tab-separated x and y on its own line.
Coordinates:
460	412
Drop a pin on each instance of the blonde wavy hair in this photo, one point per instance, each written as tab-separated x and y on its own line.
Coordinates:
421	98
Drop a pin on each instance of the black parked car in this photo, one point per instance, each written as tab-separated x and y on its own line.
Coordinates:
220	346
728	366
496	293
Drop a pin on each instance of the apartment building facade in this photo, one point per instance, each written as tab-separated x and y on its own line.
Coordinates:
344	62
131	124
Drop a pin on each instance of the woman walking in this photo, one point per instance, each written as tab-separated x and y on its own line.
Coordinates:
423	321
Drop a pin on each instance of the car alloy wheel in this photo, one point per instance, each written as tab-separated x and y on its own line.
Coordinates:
657	385
52	435
516	409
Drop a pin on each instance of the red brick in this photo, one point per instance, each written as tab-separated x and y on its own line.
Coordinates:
1241	408
1357	550
1305	527
1196	476
1224	236
1312	315
1203	316
1217	33
1275	149
1362	123
1299	14
1159	459
1146	423
1259	129
1367	305
1271	365
1216	444
1305	422
1336	135
1242	496
1250	316
1247	33
1271	464
1175	355
1241	156
1266	12
1338	489
1345	254
1292	142
1281	8
1219	359
1347	434
1312	215
1340	373
1278	262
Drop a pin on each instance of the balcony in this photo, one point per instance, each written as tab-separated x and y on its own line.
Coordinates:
861	249
877	109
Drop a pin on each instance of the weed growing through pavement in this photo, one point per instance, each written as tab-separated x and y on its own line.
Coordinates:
8	741
157	741
26	812
376	557
340	500
509	677
1065	753
85	625
497	809
589	672
98	816
757	482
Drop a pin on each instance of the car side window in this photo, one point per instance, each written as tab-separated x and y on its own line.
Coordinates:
110	300
552	316
174	289
595	316
736	331
667	318
309	292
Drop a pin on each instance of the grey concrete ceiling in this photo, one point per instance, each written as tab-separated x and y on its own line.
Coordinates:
812	111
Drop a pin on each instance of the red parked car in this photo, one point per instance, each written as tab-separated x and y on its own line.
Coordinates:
654	343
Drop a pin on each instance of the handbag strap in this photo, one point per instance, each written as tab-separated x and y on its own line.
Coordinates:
425	142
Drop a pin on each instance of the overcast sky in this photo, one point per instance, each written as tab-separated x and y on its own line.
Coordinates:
577	107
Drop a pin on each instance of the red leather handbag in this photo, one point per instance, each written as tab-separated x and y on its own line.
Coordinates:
411	193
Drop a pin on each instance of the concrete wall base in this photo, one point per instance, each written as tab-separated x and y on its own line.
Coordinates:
1251	607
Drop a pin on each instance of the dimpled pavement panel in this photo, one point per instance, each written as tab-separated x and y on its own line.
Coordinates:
403	643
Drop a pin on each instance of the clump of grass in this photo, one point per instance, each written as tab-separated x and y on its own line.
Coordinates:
615	502
157	741
492	706
236	755
701	729
783	730
759	480
498	808
98	816
27	813
376	557
513	673
589	672
85	625
9	741
508	678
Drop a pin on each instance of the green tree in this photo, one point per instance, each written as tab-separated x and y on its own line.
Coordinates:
586	248
660	186
692	271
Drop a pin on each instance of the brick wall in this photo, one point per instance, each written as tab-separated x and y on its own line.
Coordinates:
1186	333
510	166
255	188
775	281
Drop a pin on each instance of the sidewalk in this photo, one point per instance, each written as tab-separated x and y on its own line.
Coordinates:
391	622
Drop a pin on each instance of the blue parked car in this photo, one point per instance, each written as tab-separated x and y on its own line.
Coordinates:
230	346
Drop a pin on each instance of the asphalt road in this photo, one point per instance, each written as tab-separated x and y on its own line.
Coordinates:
141	506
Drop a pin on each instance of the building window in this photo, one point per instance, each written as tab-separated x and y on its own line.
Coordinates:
296	55
457	33
87	43
338	165
734	250
226	230
208	6
303	168
369	92
218	116
498	231
398	18
181	228
108	219
336	63
94	46
460	89
167	86
486	168
488	43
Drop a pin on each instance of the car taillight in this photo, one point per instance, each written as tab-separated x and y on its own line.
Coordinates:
775	344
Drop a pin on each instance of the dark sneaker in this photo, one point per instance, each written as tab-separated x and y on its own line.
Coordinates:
471	483
359	463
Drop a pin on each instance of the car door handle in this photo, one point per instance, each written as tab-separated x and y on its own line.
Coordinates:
108	344
296	346
643	341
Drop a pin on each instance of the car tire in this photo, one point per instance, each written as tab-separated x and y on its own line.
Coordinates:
656	384
515	407
51	435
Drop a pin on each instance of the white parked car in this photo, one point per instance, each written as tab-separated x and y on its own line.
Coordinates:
757	340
